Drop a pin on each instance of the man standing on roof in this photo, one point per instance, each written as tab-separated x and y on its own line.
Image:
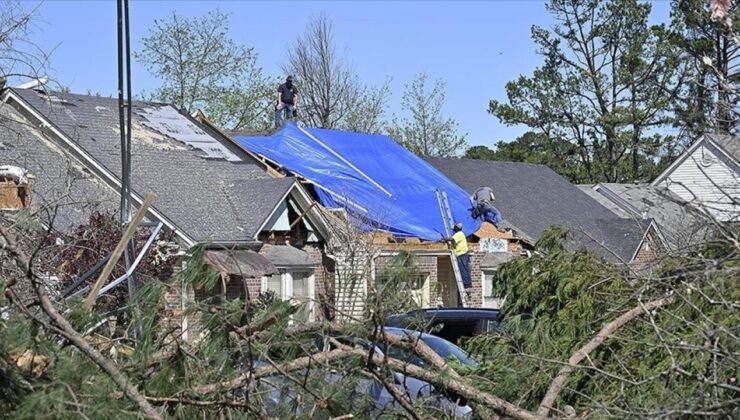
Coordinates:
460	248
287	101
483	199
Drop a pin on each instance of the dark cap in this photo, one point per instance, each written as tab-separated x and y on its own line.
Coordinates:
289	79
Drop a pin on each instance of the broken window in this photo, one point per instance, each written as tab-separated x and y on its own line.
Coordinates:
16	186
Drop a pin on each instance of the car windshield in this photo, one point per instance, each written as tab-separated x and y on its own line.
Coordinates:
440	346
447	350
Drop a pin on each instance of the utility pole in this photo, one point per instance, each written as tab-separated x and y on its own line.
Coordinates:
124	117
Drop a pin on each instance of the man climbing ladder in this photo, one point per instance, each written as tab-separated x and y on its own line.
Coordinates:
460	248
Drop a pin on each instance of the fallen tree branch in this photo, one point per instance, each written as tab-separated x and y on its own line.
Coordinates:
67	331
261	372
557	384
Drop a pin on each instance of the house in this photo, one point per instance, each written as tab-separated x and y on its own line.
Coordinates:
707	175
681	225
533	198
262	232
384	205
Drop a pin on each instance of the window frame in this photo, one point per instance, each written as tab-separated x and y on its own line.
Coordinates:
492	273
286	287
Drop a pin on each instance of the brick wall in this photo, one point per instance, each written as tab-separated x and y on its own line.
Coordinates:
323	280
476	292
649	252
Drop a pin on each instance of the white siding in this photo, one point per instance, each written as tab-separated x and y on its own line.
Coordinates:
350	284
703	179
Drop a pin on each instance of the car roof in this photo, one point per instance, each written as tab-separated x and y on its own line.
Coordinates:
455	313
403	331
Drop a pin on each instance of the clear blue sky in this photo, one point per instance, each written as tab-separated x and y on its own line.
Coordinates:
476	47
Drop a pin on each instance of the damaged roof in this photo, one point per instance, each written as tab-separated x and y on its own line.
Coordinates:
67	194
679	223
208	188
533	198
381	185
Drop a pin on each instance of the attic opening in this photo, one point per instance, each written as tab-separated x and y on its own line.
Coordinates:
16	188
289	222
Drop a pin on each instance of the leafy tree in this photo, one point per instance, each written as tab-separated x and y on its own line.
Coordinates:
606	86
201	67
331	94
531	147
425	131
708	102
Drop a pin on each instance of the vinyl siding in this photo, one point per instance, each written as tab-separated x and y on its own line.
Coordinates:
703	179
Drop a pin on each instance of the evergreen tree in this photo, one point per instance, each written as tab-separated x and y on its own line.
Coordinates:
606	87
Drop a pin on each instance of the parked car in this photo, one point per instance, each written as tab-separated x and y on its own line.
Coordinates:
414	388
452	324
283	399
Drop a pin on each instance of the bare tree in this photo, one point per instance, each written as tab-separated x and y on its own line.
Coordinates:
329	89
367	113
20	57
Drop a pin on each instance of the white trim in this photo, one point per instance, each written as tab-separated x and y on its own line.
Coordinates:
92	162
642	241
315	217
660	178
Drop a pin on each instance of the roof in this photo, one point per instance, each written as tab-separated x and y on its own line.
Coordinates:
679	224
724	147
287	256
207	188
730	144
67	194
533	197
379	182
245	263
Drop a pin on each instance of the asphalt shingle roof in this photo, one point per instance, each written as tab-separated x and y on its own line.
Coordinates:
680	225
64	193
730	144
209	199
533	198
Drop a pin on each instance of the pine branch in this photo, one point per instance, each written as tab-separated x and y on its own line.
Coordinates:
558	384
66	330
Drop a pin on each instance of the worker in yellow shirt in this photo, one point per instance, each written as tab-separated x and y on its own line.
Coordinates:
460	248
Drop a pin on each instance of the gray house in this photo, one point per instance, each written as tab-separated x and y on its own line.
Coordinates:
208	190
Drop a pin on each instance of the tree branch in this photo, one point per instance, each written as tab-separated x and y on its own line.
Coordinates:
67	331
557	385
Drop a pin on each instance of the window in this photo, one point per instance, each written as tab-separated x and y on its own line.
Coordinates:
489	300
416	286
296	286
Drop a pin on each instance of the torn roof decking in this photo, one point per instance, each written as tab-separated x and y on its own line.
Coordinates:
375	179
211	190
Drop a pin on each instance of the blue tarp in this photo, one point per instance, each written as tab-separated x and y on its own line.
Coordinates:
371	176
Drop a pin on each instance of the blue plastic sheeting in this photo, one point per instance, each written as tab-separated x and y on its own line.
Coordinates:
371	176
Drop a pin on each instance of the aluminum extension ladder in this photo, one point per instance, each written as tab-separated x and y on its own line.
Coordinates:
448	222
